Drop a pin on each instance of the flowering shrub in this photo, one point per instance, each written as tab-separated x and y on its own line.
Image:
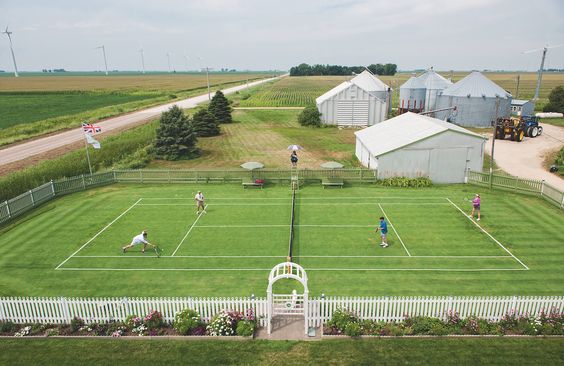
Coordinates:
153	320
76	324
186	321
245	328
221	325
547	323
23	332
140	330
133	321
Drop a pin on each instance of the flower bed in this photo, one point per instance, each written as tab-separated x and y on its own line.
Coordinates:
186	323
348	323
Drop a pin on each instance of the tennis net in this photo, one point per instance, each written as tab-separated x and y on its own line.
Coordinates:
291	241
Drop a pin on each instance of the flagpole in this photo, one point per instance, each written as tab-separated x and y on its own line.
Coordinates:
87	153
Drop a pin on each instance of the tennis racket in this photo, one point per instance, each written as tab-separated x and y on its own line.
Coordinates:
157	251
466	199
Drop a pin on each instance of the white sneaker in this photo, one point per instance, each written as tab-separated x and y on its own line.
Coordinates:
385	246
382	244
478	219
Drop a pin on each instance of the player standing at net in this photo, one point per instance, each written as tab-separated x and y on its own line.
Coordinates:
138	240
476	206
199	198
383	232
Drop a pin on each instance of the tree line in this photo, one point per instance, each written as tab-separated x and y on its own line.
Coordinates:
316	70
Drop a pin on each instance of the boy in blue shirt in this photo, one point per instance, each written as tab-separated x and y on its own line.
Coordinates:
383	232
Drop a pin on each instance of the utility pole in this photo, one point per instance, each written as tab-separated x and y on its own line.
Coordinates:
518	81
208	80
493	141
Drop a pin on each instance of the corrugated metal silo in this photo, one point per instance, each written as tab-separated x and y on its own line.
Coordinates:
412	96
434	84
477	99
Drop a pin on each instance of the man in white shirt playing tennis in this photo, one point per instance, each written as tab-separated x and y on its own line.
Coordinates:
200	202
138	240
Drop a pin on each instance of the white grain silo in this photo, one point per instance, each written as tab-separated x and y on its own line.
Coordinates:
434	84
478	101
412	96
362	101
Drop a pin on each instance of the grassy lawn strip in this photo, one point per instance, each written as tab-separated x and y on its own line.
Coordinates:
443	351
248	229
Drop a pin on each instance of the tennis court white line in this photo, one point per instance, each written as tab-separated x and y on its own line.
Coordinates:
307	269
181	256
403	256
297	256
276	225
99	232
302	204
394	229
301	198
488	234
189	230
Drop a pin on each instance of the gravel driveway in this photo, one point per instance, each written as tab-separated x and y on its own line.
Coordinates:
525	159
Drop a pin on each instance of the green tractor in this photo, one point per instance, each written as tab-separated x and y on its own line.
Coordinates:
514	127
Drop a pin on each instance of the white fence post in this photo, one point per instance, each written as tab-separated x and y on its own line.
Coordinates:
83	182
63	303
542	188
31	195
8	209
52	188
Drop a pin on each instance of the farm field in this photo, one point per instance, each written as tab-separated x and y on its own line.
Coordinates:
72	246
301	91
36	105
264	135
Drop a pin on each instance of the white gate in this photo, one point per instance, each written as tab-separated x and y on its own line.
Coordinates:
287	304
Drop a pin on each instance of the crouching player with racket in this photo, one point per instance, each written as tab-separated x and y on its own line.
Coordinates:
138	240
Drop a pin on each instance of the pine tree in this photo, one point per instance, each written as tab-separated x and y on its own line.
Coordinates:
176	138
220	108
205	124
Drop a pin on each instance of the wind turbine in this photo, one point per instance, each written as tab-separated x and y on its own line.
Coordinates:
187	63
142	60
539	77
207	77
8	33
168	58
105	61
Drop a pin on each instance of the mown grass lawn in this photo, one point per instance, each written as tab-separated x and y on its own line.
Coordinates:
230	250
437	351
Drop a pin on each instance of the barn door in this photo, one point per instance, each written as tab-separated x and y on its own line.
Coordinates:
448	165
352	112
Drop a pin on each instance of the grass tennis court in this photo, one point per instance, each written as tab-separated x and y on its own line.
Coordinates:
72	246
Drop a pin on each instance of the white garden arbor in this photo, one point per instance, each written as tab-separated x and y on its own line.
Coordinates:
287	304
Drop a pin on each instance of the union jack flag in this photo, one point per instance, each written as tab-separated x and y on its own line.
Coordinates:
90	128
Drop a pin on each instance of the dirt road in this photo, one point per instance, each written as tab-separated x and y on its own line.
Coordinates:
43	145
525	159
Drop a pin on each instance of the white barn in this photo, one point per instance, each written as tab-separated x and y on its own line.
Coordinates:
362	101
412	145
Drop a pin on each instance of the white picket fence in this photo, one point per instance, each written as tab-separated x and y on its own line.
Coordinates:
62	310
397	308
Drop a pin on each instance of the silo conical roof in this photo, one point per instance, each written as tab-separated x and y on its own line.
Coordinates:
476	85
434	81
413	83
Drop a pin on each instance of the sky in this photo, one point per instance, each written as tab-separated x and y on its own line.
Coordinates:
270	34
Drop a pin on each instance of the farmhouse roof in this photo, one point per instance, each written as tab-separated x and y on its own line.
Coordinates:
404	130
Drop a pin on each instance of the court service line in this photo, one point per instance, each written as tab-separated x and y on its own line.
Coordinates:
488	234
403	256
181	256
303	204
189	230
394	229
99	232
283	225
301	198
297	256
